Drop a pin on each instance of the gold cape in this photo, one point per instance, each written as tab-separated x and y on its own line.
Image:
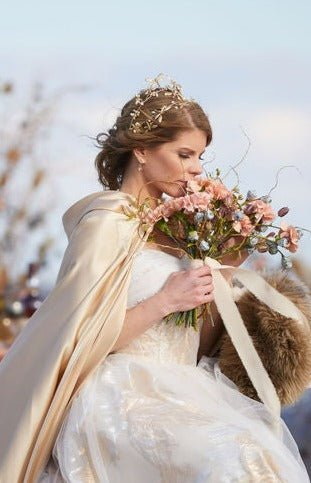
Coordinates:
78	323
71	332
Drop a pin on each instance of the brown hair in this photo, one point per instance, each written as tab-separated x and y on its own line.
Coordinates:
117	144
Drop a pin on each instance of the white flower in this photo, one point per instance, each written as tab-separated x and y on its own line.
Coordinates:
204	245
193	235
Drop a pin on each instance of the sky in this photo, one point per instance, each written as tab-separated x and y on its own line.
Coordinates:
247	63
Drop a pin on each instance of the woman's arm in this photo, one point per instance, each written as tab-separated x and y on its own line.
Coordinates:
140	318
183	290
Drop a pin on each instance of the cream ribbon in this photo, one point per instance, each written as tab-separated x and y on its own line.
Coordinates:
233	322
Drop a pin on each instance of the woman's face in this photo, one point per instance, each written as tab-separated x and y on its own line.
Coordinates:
173	163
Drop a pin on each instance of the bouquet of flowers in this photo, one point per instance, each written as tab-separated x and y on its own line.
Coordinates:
204	222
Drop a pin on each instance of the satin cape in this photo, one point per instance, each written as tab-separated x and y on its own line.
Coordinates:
78	323
70	333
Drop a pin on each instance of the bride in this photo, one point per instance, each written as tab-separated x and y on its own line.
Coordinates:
119	395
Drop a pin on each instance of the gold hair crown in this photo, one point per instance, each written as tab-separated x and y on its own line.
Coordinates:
154	117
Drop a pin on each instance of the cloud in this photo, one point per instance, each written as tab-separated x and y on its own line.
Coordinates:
283	133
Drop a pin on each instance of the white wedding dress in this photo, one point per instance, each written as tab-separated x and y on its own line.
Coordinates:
150	414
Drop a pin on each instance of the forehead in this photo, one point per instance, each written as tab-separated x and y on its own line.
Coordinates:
192	140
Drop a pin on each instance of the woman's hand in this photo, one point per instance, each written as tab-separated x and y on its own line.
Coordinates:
187	289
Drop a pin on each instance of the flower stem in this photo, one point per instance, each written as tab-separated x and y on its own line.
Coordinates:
210	314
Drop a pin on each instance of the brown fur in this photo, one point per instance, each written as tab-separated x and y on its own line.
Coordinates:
283	346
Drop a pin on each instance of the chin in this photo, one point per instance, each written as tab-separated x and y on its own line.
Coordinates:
174	191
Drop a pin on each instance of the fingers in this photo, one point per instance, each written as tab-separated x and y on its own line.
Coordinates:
202	280
205	290
204	297
204	270
207	280
208	298
201	275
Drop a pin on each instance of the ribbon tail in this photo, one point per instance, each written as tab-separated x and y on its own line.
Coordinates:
243	343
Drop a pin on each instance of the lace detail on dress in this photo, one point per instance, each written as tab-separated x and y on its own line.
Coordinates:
163	342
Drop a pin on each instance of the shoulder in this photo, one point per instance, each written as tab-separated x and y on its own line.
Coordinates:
98	233
99	207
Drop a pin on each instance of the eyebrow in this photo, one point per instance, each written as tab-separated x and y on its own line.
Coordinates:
191	150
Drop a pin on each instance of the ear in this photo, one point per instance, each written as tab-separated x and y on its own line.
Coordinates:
140	154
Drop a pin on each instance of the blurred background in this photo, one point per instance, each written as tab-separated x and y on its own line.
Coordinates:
67	68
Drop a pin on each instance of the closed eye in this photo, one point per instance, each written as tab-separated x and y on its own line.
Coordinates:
184	156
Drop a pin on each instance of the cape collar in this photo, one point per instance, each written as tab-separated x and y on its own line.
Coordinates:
94	201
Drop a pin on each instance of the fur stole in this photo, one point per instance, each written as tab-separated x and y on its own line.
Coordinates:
283	345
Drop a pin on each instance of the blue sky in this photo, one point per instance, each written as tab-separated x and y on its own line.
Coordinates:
247	62
123	26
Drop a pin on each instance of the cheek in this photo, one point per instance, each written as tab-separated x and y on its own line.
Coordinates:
166	166
172	166
159	166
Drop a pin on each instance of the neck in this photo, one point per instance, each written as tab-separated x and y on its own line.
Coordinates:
141	191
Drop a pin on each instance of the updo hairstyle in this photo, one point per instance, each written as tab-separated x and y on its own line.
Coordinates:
117	144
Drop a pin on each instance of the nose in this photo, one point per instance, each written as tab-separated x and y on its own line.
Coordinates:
196	167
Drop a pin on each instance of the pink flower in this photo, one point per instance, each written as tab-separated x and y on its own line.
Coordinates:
229	200
262	211
194	185
174	204
244	226
291	235
167	210
220	191
216	188
149	218
201	201
188	204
